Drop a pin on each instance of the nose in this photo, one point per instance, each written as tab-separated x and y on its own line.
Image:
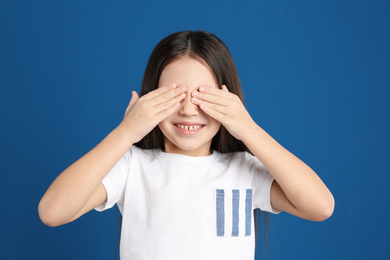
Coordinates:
187	108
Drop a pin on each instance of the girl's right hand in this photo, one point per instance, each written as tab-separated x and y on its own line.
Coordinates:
146	112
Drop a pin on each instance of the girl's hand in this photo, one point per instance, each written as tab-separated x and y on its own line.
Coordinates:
226	108
146	112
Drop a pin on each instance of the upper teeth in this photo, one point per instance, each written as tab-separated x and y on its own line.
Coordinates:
191	127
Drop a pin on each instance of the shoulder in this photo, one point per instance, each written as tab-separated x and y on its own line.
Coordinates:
135	151
244	161
236	157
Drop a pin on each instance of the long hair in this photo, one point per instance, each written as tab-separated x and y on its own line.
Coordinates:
211	51
207	49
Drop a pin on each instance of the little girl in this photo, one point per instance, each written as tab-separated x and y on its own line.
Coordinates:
187	165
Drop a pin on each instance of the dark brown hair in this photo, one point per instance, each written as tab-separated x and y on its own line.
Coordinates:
207	49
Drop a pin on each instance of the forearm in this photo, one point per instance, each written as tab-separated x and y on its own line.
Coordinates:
301	185
70	191
302	192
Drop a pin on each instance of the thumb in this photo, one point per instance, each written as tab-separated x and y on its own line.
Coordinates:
224	88
134	98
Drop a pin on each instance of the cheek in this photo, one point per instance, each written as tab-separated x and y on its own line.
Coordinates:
216	125
162	125
212	120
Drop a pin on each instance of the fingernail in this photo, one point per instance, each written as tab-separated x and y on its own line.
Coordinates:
195	100
202	89
195	93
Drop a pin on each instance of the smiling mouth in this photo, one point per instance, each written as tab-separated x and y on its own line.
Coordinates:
189	127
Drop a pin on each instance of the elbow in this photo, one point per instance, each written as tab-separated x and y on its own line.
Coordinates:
324	210
48	215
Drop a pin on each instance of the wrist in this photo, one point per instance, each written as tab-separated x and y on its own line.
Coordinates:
252	134
125	135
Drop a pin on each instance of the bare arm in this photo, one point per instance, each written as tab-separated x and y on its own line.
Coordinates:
71	190
78	189
297	189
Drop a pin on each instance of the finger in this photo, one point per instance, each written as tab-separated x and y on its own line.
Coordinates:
211	98
214	91
209	110
168	111
216	107
160	90
167	103
133	100
224	88
172	94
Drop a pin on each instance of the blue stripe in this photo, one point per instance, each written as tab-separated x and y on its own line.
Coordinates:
236	203
220	199
248	212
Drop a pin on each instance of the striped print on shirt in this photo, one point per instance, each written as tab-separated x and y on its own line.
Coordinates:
233	212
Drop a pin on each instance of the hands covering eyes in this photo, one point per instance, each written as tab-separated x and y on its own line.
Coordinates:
144	113
225	107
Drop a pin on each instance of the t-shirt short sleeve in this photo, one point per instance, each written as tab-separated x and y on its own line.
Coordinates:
115	182
261	183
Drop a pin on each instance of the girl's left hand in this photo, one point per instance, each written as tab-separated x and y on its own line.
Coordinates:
226	108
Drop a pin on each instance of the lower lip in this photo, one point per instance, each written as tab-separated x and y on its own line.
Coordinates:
188	132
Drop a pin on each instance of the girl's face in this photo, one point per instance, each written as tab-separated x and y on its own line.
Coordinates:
188	131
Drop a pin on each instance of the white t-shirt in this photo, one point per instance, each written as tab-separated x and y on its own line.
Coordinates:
181	207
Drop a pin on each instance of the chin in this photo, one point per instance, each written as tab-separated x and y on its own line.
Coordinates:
189	149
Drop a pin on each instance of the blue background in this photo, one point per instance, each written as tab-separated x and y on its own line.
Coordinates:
315	76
